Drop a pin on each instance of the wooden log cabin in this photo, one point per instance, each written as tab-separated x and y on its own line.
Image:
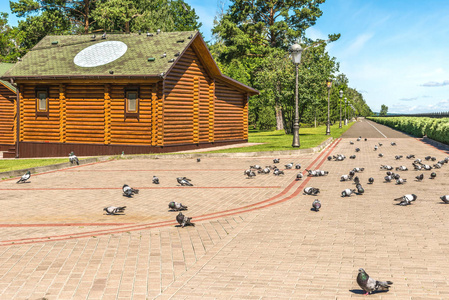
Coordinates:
133	93
7	114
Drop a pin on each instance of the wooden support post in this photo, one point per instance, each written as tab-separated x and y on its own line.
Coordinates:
14	128
196	97
62	114
245	116
107	114
160	114
211	110
154	95
21	117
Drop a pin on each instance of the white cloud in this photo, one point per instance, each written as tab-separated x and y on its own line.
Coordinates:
357	45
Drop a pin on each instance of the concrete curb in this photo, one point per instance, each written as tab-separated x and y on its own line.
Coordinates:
441	145
18	173
238	154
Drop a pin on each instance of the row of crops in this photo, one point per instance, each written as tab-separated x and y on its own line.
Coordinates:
436	129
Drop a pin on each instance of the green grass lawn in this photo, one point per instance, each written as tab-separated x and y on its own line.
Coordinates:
18	164
277	140
273	141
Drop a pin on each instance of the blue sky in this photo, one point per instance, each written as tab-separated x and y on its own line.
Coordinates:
393	51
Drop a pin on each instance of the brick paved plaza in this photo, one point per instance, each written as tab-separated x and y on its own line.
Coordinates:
254	238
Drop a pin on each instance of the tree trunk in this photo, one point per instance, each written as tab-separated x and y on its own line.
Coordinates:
86	16
279	118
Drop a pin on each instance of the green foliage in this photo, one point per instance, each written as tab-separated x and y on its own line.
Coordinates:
383	110
19	164
275	140
436	129
8	35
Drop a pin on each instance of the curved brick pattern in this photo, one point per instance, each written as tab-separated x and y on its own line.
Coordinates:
253	239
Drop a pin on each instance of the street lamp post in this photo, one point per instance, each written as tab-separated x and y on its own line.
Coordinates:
296	51
328	128
346	111
341	95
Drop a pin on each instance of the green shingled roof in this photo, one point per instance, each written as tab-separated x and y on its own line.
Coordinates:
54	55
4	67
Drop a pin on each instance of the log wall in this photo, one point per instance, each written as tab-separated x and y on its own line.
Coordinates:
230	113
186	102
131	130
39	128
7	116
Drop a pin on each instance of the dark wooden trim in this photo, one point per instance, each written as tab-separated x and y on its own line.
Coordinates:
39	113
126	112
41	149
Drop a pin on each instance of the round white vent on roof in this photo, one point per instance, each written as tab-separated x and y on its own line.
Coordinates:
100	54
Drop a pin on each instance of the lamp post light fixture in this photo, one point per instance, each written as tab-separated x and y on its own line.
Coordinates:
296	51
341	95
346	111
328	127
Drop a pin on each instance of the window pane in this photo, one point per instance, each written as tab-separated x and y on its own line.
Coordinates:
42	101
132	101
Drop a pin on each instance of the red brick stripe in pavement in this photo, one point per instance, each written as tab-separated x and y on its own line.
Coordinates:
149	188
205	217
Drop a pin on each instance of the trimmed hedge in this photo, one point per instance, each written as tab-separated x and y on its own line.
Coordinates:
436	129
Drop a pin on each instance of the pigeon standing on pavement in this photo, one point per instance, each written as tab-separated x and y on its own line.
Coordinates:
299	176
278	172
114	210
276	161
155	180
176	206
289	166
73	159
406	199
371	180
360	189
369	284
184	220
316	205
297	166
347	192
445	199
129	191
183	181
433	175
420	177
24	177
198	159
401	181
311	191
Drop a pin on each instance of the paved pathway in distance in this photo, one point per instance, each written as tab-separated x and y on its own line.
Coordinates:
253	239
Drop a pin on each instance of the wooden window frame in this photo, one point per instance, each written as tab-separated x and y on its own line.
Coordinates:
132	114
42	113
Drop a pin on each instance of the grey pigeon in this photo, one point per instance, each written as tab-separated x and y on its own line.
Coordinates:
345	177
256	167
316	205
347	192
114	210
289	166
265	170
445	199
427	167
360	189
397	157
155	180
375	147
433	175
129	191
299	176
388	178
401	181
176	206
250	173
417	166
24	177
352	156
401	168
73	159
420	177
410	156
198	160
369	284
329	158
393	144
381	155
311	191
358	170
183	181
278	172
184	220
351	142
371	180
297	166
276	161
356	180
357	149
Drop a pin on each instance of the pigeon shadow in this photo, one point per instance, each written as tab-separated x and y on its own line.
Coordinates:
105	214
362	292
313	209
